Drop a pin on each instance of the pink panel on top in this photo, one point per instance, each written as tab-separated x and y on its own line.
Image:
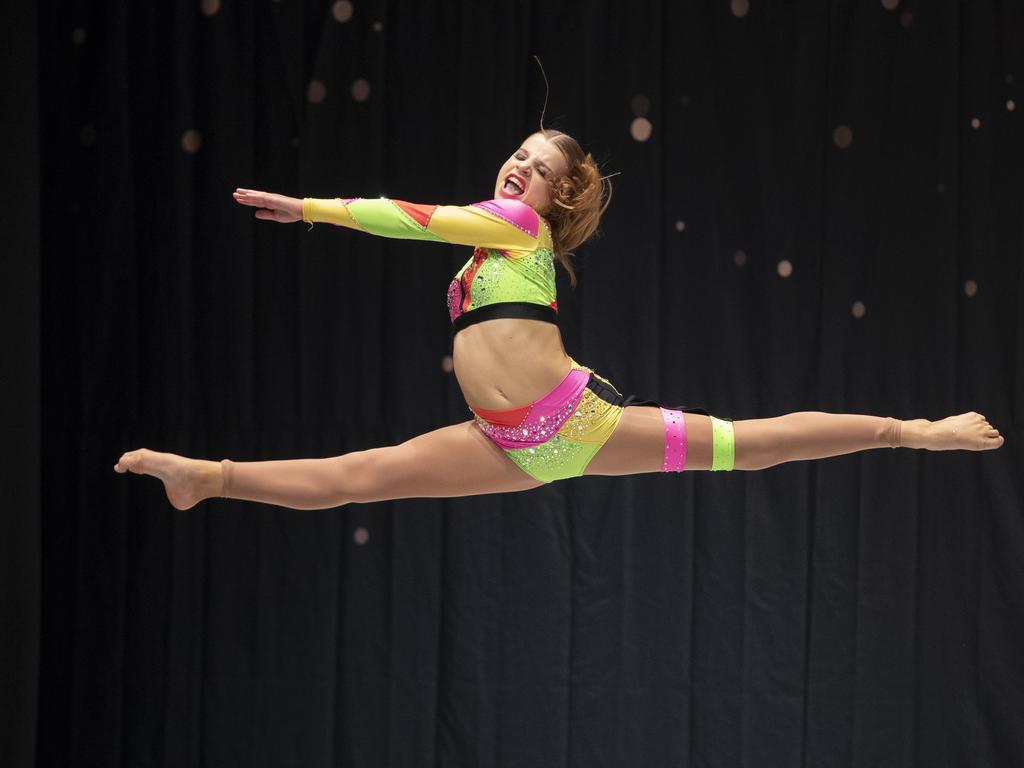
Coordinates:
546	417
675	441
514	212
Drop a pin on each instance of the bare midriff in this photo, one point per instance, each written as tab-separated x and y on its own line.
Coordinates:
508	362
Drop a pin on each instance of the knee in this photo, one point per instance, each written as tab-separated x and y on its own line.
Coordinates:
364	475
759	443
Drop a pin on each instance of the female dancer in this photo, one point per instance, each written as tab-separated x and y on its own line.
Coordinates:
537	414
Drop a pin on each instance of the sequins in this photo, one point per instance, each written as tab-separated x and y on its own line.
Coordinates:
576	431
490	277
530	432
581	425
675	441
454	299
556	459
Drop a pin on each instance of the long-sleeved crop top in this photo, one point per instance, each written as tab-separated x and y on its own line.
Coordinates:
511	272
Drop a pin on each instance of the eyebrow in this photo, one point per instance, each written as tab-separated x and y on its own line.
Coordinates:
546	166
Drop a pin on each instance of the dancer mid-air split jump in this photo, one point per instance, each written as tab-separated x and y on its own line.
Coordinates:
538	415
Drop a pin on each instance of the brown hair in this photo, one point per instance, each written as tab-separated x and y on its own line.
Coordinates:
578	199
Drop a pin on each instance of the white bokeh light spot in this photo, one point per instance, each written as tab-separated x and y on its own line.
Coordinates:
1010	105
975	123
739	258
316	91
680	226
890	5
842	136
342	11
739	8
360	536
971	288
378	26
446	364
191	141
640	129
858	309
361	89
209	7
785	268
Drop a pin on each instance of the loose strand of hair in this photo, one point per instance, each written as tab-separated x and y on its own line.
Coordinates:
546	89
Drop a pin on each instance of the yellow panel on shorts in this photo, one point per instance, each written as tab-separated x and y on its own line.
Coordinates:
593	421
570	450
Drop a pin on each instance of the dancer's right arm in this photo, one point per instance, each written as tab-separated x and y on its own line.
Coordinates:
270	206
507	225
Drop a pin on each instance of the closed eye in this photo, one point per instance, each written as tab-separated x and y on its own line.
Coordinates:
541	170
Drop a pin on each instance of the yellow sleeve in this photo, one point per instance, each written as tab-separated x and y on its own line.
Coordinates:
505	225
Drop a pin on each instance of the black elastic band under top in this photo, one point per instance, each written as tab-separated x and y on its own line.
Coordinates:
524	310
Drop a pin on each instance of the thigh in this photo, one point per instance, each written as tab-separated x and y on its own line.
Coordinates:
457	460
638	443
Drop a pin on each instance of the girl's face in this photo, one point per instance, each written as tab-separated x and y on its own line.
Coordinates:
528	174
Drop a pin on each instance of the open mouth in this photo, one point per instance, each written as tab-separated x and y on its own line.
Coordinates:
513	186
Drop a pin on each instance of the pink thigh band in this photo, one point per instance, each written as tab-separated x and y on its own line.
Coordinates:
675	441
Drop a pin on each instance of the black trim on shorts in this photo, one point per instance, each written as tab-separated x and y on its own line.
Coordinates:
633	400
602	390
613	396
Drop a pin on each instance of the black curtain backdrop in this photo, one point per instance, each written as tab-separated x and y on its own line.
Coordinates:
866	610
19	387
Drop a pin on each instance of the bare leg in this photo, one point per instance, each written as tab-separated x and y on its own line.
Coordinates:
637	445
458	460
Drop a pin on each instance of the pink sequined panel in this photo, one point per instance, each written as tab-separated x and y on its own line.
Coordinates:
545	418
514	212
454	299
675	441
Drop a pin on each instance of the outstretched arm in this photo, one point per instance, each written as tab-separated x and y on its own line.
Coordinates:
270	206
506	225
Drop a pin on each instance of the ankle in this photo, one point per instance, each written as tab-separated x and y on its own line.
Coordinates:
891	433
223	477
915	433
211	479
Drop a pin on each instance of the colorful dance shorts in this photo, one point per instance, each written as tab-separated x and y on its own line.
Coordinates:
557	435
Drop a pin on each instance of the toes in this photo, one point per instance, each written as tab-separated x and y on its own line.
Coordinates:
130	461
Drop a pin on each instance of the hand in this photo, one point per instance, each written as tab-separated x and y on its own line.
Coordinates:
271	207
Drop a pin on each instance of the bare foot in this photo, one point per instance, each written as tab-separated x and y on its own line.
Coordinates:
967	432
186	481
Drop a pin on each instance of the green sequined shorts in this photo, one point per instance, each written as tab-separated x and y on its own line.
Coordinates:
556	436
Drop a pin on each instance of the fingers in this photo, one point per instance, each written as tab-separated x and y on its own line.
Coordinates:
250	197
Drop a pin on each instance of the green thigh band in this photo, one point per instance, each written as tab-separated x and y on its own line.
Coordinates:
724	444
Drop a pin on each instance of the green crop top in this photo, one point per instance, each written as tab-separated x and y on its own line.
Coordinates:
511	272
